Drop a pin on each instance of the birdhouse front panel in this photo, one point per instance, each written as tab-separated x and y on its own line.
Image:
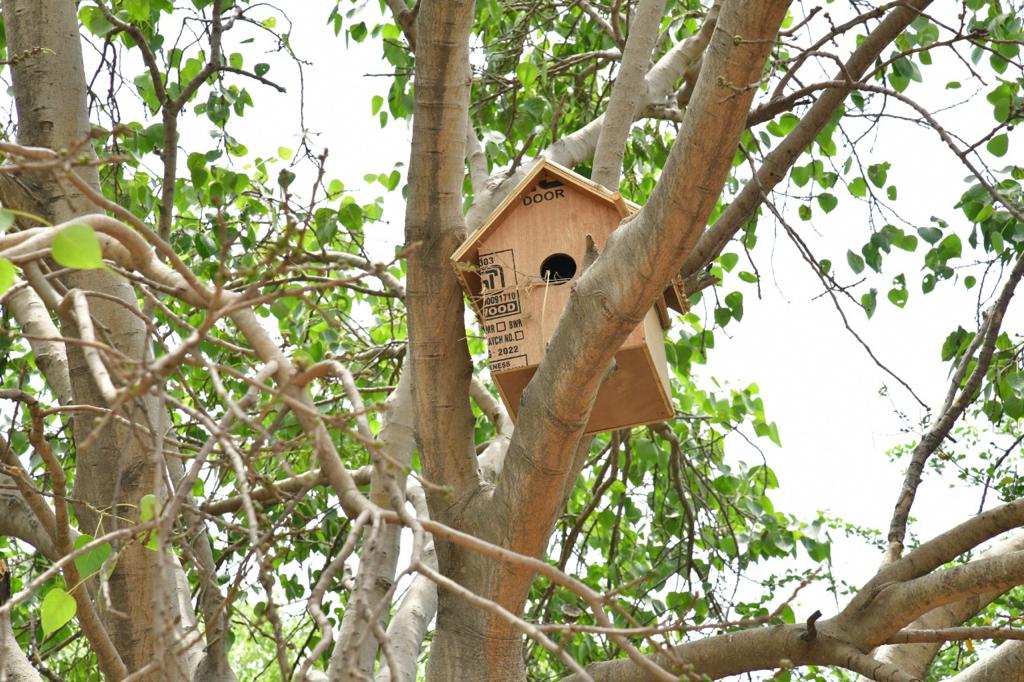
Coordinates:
519	269
528	263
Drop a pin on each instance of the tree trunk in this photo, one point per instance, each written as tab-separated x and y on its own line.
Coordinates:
121	464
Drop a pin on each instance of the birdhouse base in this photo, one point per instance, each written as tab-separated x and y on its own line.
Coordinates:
637	391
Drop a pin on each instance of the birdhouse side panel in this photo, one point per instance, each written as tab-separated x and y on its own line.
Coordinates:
636	392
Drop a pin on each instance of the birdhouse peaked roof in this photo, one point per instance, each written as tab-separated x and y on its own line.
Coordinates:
467	253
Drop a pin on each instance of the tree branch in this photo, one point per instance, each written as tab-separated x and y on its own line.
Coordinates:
356	649
778	161
916	658
439	358
627	93
579	145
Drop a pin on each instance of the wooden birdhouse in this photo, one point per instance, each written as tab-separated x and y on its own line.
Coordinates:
518	269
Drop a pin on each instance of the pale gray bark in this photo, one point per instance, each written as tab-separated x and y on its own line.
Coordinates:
212	664
627	93
377	565
14	665
18	521
492	459
408	627
50	355
916	659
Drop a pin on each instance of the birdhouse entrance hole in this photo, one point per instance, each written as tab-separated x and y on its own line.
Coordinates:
558	268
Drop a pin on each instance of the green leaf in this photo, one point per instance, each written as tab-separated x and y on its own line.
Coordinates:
804	211
729	261
950	247
930	234
769	429
679	601
998	145
858	188
58	608
898	294
928	283
147	508
722	316
870	301
725	484
898	82
526	72
787	122
827	201
375	104
907	69
783	126
735	302
855	261
801	175
94	20
819	551
351	216
90	562
728	545
76	246
6	220
261	69
878	172
7	274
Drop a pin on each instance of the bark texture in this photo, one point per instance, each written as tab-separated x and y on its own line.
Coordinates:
14	665
439	356
377	567
916	659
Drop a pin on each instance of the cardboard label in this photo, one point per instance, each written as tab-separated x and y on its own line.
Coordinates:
501	310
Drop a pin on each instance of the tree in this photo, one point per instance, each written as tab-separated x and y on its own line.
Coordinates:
220	410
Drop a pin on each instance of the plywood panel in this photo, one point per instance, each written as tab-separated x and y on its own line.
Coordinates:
518	306
636	392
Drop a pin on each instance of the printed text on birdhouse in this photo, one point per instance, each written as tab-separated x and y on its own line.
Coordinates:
501	310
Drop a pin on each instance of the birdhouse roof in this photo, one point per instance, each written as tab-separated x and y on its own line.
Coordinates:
468	252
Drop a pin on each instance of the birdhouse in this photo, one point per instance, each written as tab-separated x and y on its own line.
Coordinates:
518	269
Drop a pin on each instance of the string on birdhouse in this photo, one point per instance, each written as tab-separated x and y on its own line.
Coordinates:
544	304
